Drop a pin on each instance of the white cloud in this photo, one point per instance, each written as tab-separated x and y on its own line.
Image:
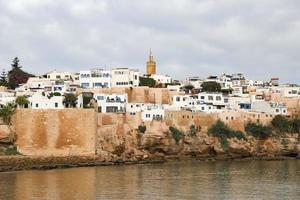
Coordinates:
188	37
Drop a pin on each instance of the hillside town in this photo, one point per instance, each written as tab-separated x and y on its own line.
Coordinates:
150	95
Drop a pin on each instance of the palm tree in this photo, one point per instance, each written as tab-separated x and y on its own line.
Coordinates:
22	101
6	113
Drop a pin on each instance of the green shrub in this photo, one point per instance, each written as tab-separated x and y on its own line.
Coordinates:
142	129
211	86
224	143
258	130
177	134
221	130
11	151
6	113
282	124
295	123
193	130
144	81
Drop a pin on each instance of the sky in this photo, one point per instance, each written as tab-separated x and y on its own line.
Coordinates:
260	38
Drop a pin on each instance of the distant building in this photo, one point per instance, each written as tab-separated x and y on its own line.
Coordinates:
151	65
164	79
111	102
95	78
124	77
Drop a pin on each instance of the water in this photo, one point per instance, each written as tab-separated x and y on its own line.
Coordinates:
174	180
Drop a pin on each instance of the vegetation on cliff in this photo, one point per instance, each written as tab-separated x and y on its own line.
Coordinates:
142	128
176	133
258	131
282	125
221	130
6	113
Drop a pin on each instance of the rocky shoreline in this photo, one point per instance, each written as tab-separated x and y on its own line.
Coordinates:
20	163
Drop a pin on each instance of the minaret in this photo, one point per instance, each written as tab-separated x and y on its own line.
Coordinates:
151	65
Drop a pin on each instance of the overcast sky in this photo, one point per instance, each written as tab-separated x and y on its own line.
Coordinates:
260	38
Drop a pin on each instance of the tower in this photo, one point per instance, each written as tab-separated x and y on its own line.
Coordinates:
151	65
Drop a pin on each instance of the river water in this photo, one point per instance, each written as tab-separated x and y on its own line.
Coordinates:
172	180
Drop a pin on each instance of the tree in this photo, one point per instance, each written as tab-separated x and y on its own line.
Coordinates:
221	130
258	131
6	113
281	123
15	64
70	100
296	125
211	86
16	75
22	101
188	87
144	81
177	134
3	79
142	129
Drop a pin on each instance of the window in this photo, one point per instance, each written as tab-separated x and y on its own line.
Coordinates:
97	84
85	85
100	98
177	98
202	108
202	97
211	98
147	115
218	98
277	110
36	105
56	105
226	100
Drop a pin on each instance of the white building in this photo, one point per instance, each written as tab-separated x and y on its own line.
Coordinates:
269	108
161	78
111	102
174	88
40	101
56	75
124	77
217	99
198	103
6	97
95	78
153	112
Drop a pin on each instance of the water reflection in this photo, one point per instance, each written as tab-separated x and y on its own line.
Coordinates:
189	180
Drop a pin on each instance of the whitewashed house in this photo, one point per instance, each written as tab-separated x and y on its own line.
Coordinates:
269	108
159	78
59	75
153	112
95	78
124	77
111	102
6	98
217	99
40	101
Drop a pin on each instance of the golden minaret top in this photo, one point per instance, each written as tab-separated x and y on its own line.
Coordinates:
151	65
